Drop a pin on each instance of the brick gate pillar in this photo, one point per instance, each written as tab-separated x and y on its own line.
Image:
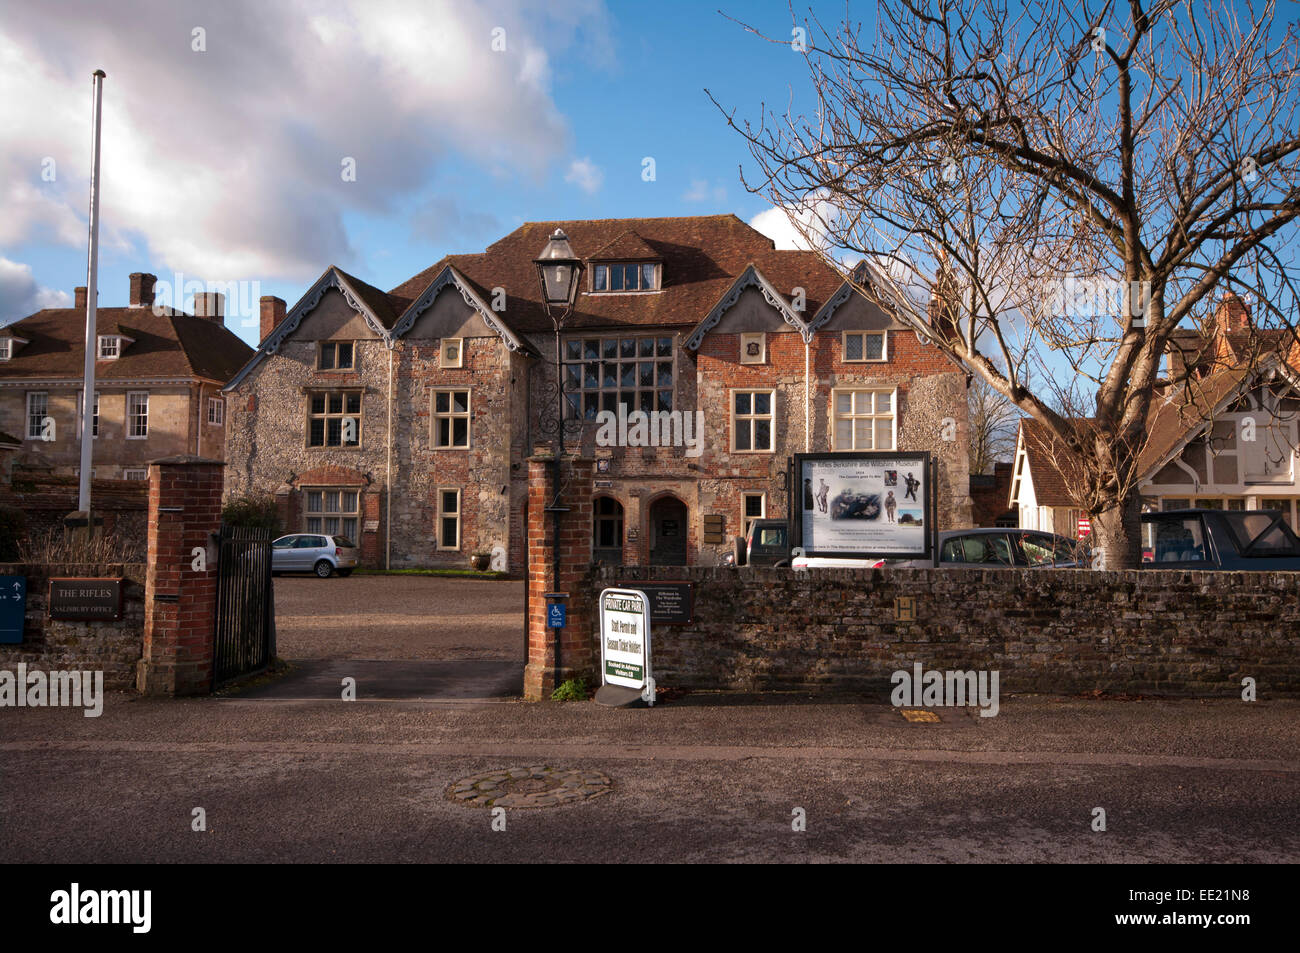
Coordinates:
576	657
180	601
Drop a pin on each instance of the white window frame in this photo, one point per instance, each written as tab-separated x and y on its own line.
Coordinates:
749	338
750	418
745	518
143	471
344	517
94	423
218	405
441	515
641	288
6	348
884	347
451	415
130	424
40	426
451	363
109	347
892	416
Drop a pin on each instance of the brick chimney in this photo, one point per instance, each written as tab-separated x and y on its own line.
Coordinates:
79	297
142	289
272	313
210	305
1232	314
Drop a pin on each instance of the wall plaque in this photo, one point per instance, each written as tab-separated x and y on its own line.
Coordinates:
85	600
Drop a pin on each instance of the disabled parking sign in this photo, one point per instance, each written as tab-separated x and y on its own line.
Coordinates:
556	614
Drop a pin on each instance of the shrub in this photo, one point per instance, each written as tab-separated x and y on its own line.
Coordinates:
258	511
573	690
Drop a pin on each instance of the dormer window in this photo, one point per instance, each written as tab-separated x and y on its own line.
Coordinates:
635	276
110	347
6	348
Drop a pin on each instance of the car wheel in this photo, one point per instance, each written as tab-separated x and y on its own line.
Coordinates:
345	573
324	569
781	564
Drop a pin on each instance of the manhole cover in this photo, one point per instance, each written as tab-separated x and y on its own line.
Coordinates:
919	715
537	786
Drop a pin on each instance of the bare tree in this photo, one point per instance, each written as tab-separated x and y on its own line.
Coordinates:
1072	182
994	422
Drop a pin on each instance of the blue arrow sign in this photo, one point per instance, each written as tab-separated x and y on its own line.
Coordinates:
13	608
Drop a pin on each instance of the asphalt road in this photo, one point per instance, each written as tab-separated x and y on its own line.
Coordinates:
704	777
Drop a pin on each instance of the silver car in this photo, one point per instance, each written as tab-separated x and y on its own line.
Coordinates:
314	552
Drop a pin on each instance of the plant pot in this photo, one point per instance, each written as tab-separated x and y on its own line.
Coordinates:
480	561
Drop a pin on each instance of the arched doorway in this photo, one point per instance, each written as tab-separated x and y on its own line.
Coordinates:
667	528
607	531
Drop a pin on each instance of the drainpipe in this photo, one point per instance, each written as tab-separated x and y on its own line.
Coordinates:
807	397
198	424
388	473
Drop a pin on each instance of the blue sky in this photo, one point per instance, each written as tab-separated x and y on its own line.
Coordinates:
222	163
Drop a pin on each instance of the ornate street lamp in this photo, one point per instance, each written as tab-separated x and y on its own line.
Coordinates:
560	272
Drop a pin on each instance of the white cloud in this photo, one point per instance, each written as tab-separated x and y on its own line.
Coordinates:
227	163
779	224
20	295
585	174
700	191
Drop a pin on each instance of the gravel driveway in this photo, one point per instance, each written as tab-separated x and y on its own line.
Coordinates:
399	617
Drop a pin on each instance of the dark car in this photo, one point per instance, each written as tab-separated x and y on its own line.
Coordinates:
1234	540
768	544
1000	548
983	548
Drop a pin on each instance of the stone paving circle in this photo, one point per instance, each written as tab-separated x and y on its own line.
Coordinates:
536	786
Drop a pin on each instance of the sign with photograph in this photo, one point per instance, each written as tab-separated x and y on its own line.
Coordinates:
625	637
863	504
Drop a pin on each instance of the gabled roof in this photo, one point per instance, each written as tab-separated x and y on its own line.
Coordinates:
167	345
751	277
627	247
702	258
1173	421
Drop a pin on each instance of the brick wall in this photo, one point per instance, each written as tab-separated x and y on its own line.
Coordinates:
1157	632
49	644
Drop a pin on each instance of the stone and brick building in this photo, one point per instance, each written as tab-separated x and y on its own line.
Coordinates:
407	417
158	380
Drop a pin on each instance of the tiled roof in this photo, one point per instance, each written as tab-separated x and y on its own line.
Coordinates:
702	257
1052	466
171	345
627	247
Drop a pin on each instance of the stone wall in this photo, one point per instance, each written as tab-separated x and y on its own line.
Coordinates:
1156	632
48	644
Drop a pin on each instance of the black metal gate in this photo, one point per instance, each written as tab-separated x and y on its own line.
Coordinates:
245	631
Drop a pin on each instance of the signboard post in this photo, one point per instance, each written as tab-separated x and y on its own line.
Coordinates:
625	648
13	608
863	505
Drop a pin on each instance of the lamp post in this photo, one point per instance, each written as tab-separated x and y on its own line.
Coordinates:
559	271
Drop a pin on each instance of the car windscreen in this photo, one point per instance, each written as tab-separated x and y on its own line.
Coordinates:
1262	534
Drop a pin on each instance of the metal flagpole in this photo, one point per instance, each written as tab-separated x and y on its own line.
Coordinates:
88	390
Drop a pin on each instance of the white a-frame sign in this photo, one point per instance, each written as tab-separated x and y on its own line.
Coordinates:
625	641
